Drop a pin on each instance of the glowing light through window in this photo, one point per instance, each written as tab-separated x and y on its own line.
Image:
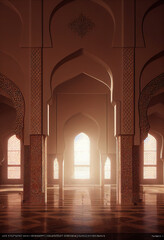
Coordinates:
56	169
14	158
107	169
150	173
81	156
14	173
82	172
150	158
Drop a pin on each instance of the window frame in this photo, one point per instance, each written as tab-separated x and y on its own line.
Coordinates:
149	165
81	165
55	179
13	180
105	169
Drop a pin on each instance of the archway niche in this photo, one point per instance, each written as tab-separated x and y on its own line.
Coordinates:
11	123
81	124
151	106
7	122
81	105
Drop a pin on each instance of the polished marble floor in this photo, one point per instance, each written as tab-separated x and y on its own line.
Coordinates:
82	210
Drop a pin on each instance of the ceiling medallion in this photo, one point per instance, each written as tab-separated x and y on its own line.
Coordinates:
82	25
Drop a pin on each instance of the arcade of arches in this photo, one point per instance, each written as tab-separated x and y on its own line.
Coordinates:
81	97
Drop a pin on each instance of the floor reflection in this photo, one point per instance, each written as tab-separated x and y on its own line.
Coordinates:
88	196
82	209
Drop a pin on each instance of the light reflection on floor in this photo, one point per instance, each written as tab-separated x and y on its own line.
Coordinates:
88	196
93	195
82	209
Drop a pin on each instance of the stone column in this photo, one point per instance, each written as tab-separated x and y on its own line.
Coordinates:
125	169
163	170
136	173
162	157
103	159
1	161
61	171
27	176
61	179
38	186
125	140
36	152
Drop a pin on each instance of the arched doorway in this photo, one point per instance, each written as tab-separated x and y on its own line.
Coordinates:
82	122
81	156
81	153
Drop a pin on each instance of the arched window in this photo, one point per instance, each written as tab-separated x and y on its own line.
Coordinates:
56	169
81	156
150	158
107	169
14	158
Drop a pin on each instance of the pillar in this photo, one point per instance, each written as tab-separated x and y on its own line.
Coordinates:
102	164
27	177
35	169
1	161
125	176
38	186
162	157
61	179
35	190
61	170
163	170
136	173
127	121
126	138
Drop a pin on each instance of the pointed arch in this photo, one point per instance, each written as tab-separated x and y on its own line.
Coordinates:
66	2
81	156
107	169
14	158
150	61
145	97
56	169
80	115
17	98
151	8
150	158
13	8
81	55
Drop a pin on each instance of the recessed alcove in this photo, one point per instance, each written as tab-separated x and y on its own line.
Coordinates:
82	105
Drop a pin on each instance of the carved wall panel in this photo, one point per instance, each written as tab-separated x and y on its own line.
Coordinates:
136	173
26	184
82	25
17	98
144	100
128	92
126	181
36	90
37	150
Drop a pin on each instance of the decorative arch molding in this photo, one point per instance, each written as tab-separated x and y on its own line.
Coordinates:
79	115
66	2
13	8
151	60
5	98
153	6
160	139
145	97
75	55
15	65
17	98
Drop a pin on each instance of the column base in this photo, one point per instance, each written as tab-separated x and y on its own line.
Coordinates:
126	198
